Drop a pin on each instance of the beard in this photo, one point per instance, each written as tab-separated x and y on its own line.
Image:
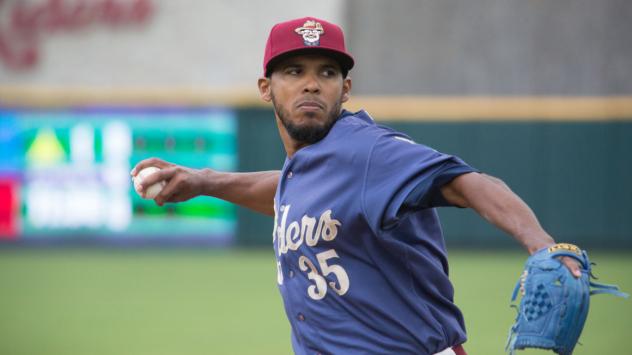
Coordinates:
308	133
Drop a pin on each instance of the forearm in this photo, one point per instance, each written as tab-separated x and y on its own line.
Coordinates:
254	190
495	202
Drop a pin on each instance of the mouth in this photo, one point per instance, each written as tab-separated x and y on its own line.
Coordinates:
310	105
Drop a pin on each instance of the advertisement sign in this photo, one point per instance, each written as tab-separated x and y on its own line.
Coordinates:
64	174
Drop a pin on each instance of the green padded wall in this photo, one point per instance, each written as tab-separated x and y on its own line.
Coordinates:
577	176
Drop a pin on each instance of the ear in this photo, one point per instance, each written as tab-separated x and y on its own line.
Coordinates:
264	89
346	89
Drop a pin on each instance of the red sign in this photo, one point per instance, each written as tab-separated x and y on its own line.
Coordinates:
9	209
27	23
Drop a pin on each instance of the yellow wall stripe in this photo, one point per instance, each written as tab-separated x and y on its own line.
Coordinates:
400	108
497	108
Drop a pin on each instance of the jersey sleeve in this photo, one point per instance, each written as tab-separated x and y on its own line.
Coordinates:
403	177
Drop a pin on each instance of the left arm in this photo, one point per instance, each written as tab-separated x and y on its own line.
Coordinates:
493	200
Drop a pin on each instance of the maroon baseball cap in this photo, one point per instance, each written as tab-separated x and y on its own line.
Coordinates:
306	35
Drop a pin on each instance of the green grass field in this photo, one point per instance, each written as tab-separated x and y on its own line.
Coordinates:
115	301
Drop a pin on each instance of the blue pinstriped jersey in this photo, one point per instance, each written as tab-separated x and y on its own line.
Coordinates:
361	260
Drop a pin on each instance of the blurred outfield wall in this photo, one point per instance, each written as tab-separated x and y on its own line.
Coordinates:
64	173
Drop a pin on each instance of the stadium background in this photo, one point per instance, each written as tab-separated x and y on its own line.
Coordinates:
538	93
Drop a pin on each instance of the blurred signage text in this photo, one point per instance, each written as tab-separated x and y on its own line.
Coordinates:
24	24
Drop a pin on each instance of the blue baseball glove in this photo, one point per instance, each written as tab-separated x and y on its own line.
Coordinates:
554	304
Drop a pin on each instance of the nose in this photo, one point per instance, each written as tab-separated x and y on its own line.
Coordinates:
311	84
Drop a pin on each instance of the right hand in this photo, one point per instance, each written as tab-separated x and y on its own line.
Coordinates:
182	183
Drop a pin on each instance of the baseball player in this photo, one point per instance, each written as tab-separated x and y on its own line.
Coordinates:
361	260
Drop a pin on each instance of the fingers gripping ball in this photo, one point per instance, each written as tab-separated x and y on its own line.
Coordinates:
152	191
554	304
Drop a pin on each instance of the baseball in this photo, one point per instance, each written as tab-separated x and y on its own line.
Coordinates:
152	191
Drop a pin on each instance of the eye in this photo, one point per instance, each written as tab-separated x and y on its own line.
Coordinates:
330	72
292	70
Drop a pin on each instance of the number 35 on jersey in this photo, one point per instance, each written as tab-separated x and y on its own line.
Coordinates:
310	231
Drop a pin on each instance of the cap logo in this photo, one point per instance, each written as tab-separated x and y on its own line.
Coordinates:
311	32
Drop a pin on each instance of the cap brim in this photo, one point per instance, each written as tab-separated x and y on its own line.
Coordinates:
345	60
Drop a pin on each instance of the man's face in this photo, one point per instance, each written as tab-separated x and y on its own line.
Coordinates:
307	92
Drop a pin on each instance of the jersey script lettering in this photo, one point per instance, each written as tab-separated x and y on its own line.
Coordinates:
295	234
